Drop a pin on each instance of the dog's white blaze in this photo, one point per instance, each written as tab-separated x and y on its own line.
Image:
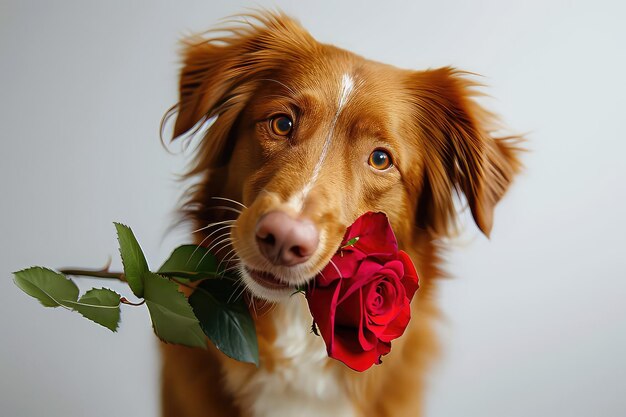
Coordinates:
300	383
347	87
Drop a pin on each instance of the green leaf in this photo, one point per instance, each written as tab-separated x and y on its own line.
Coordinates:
191	262
351	242
53	290
135	265
225	319
99	305
49	287
173	319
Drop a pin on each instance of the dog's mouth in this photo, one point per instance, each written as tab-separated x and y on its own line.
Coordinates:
266	279
265	285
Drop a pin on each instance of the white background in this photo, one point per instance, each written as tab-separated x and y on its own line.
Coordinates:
533	321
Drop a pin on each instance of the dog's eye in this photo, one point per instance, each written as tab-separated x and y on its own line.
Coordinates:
281	125
380	159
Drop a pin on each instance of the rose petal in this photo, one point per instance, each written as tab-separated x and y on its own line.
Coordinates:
389	277
410	280
366	338
397	327
381	295
375	234
393	298
342	265
382	348
347	350
374	301
349	310
353	230
351	314
396	266
383	258
323	307
366	272
377	325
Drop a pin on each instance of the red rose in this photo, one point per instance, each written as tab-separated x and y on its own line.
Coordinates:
361	300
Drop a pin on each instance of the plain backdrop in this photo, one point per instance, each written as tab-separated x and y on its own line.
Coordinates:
533	321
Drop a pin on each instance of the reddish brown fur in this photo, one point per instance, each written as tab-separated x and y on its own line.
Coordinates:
441	141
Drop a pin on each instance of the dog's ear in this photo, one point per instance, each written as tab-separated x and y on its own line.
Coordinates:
219	75
460	151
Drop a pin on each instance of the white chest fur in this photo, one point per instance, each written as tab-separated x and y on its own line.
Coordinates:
300	383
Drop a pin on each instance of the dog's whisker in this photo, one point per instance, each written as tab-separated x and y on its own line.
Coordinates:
227	208
242	254
197	247
272	308
250	301
269	310
225	256
228	226
225	242
237	292
336	269
234	269
224	248
251	304
230	272
233	258
206	238
219	242
232	201
230	268
229	257
201	243
254	307
213	224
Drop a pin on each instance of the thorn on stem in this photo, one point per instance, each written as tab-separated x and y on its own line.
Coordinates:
107	265
124	300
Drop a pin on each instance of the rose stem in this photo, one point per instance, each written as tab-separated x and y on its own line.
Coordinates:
97	273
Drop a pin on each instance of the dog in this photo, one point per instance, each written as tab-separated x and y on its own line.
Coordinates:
306	137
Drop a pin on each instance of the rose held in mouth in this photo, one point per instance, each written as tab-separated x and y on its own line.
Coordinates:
361	300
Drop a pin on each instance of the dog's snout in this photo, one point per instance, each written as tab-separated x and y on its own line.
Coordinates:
284	240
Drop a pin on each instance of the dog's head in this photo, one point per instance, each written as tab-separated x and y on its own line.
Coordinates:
309	137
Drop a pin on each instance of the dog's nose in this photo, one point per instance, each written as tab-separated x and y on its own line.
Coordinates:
284	240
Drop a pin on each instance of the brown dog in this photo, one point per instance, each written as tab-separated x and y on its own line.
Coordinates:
308	137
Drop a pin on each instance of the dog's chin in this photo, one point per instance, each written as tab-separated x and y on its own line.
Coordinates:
265	286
